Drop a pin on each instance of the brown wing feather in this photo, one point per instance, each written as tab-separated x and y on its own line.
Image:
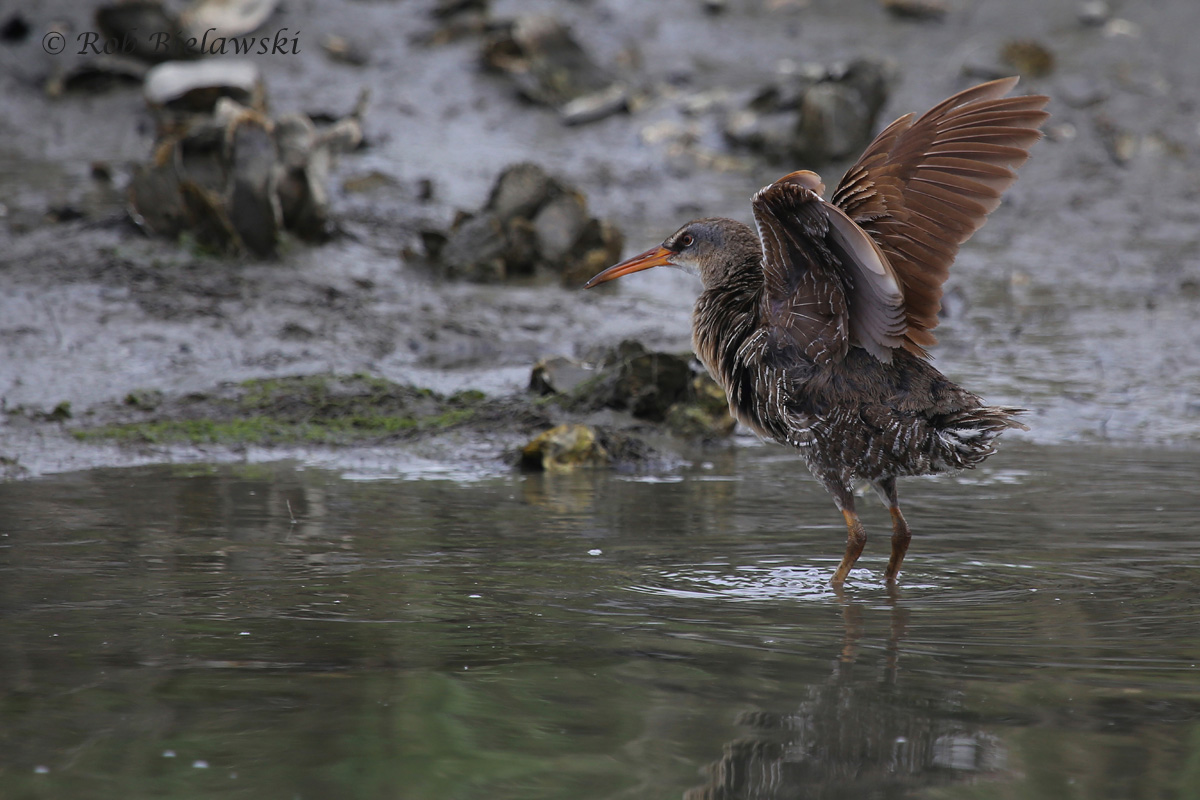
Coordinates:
924	187
827	285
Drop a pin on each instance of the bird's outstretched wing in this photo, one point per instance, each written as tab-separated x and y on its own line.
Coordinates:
923	188
827	284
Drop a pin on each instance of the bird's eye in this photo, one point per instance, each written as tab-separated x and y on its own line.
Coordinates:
687	240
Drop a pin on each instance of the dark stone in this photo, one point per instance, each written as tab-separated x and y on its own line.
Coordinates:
253	205
648	385
14	30
61	412
64	212
522	256
130	25
98	74
520	190
1028	57
476	248
155	200
208	221
449	8
917	9
144	399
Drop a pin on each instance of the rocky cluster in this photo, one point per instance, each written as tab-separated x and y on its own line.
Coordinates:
813	115
532	223
548	66
649	385
654	388
226	173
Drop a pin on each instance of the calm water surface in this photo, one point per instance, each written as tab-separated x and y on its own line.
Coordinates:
171	632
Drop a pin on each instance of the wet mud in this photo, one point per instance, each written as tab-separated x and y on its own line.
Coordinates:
1080	300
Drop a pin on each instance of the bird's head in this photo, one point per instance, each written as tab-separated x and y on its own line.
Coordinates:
710	248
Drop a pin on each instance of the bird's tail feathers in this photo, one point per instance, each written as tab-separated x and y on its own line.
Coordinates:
967	436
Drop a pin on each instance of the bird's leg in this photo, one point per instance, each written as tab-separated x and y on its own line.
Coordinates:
856	536
856	539
901	535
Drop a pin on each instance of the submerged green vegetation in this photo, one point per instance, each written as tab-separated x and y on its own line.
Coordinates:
309	409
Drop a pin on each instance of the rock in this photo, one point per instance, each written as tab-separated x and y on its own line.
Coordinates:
1028	57
425	189
96	75
548	66
595	106
131	26
15	29
1094	13
303	201
649	384
813	116
532	223
144	399
559	375
652	386
368	182
455	20
564	448
771	133
208	221
833	124
295	136
450	8
917	9
520	190
644	383
705	415
228	174
254	206
64	212
345	51
61	412
559	224
598	247
476	250
1121	145
155	200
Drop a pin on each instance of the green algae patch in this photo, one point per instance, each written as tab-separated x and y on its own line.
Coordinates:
306	409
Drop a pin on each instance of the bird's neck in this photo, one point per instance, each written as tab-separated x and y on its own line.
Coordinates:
724	316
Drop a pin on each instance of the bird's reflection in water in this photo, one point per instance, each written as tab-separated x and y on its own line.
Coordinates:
857	734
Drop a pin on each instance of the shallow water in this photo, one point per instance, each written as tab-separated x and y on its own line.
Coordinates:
172	632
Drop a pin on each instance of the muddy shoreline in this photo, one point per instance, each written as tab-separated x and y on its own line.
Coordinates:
1079	300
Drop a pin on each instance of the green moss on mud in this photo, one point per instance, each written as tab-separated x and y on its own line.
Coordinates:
308	409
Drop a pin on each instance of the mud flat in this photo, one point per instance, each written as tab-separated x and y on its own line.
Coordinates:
1080	300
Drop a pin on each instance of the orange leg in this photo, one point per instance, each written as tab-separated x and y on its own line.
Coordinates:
856	539
901	535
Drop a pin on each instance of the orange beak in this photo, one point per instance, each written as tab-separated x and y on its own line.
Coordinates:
654	257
